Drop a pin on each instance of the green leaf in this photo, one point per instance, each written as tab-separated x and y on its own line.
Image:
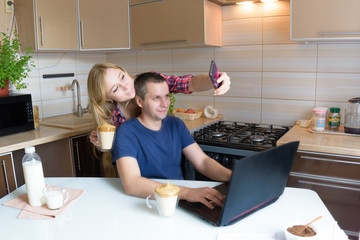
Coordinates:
13	66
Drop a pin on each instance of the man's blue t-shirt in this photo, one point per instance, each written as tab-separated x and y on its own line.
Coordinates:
158	153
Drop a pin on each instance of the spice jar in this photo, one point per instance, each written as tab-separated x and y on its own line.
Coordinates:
319	119
334	119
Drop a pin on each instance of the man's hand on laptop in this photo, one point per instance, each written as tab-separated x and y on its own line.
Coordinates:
207	196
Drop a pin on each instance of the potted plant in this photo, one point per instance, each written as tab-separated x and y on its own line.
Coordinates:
14	67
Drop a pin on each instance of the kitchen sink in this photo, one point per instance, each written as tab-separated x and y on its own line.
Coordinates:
69	121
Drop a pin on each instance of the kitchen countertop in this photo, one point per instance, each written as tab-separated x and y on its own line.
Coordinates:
47	134
106	212
321	142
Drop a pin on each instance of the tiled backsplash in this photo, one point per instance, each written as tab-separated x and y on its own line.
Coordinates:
274	80
53	95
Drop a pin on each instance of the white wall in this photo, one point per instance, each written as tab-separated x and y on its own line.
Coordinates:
53	95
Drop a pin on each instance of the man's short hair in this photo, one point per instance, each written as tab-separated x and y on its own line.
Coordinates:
142	79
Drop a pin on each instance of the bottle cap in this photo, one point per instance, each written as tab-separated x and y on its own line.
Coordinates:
335	110
320	110
30	149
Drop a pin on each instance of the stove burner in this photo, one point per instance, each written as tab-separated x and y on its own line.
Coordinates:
246	133
217	134
230	127
257	138
267	131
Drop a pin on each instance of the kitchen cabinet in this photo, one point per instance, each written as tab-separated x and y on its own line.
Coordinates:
87	163
71	25
7	174
47	24
325	20
336	179
175	23
104	24
55	157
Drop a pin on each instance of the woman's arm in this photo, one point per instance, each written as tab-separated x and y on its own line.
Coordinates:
202	82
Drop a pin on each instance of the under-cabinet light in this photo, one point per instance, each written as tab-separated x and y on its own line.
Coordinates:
244	2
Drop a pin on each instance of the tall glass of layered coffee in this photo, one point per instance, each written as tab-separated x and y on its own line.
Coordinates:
105	135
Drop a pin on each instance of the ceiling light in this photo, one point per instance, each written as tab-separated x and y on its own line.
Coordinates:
269	1
244	2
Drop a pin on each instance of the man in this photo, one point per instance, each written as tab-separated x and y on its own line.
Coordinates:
150	146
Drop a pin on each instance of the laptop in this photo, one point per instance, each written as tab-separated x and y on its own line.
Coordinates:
256	182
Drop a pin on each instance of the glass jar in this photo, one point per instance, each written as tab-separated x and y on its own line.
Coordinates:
352	116
334	119
319	119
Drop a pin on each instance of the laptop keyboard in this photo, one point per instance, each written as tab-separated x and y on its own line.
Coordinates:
203	211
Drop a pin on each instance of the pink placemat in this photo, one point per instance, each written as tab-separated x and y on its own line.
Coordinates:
30	212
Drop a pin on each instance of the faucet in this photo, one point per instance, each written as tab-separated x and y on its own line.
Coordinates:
79	108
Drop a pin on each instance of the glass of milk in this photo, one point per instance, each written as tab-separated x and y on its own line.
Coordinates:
166	196
55	197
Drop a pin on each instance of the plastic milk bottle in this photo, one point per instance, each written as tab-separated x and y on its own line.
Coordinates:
34	177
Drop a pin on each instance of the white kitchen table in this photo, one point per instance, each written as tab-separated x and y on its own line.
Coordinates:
106	212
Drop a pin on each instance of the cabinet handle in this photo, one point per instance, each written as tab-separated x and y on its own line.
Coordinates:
328	185
161	42
82	32
41	31
340	33
148	2
328	160
78	156
6	178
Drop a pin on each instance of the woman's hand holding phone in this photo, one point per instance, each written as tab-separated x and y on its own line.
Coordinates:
220	81
224	79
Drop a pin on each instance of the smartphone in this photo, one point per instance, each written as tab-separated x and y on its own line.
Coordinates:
214	74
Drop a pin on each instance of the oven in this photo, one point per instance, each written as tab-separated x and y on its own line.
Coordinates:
228	141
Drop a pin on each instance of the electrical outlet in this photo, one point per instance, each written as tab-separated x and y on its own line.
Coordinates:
9	8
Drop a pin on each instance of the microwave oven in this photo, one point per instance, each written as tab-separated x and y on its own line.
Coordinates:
16	114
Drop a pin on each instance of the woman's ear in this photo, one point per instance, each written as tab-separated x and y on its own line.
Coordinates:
139	101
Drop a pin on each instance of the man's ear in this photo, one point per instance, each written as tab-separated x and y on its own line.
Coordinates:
138	101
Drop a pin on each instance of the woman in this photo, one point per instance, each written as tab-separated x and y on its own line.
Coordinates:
111	92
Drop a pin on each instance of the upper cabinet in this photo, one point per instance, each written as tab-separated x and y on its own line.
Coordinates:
325	20
47	24
104	24
72	25
174	23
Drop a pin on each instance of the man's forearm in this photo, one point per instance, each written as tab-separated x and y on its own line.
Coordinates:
140	187
214	170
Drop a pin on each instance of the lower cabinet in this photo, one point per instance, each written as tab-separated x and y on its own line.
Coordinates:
336	179
7	174
86	158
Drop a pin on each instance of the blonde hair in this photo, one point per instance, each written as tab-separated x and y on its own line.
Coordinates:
101	109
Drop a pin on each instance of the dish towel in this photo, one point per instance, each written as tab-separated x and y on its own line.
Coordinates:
29	212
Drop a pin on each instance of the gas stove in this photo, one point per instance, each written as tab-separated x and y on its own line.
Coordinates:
227	141
239	135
